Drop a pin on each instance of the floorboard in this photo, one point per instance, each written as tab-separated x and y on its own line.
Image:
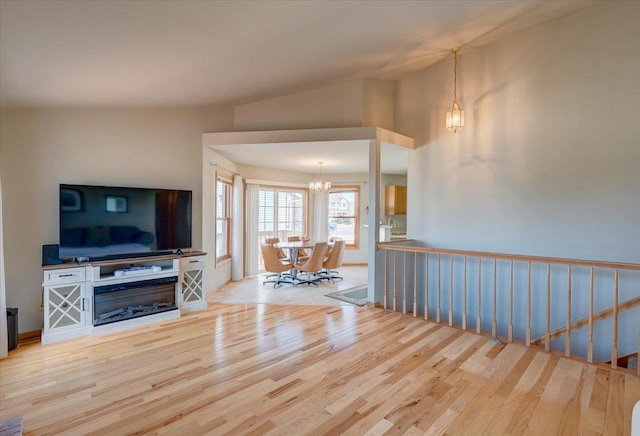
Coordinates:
283	370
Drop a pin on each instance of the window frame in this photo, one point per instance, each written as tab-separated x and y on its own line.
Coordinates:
226	179
283	188
349	188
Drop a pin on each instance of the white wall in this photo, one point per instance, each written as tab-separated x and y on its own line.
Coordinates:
41	148
549	160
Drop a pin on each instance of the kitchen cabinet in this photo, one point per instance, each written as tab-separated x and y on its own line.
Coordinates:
395	200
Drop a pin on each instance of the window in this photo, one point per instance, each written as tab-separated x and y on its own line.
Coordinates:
224	185
281	213
344	214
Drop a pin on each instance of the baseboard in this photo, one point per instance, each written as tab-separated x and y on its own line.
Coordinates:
29	336
373	304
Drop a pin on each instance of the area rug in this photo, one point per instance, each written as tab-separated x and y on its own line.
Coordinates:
357	296
11	427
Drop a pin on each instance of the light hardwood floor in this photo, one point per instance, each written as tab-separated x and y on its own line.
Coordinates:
260	369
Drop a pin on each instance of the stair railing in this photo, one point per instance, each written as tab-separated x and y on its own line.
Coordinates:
570	294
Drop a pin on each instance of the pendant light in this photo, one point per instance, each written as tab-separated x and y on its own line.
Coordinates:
455	115
320	185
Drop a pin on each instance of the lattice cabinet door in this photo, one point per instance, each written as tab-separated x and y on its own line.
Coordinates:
192	286
192	290
65	306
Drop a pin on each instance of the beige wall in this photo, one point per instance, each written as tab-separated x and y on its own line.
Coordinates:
377	103
331	106
272	175
352	104
549	160
39	149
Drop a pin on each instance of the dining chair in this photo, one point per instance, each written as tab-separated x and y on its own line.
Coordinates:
332	241
334	261
313	265
273	265
303	255
281	254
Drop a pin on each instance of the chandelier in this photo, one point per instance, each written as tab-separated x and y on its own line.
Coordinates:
455	115
320	185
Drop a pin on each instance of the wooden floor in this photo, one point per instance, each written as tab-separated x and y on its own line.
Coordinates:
307	370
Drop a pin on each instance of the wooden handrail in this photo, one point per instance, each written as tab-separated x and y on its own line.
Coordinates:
591	319
514	257
481	290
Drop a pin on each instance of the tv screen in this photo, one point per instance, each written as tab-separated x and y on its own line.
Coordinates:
104	222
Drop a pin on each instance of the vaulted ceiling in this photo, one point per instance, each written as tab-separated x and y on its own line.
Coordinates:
101	53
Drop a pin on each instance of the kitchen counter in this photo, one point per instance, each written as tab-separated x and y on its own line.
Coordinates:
386	234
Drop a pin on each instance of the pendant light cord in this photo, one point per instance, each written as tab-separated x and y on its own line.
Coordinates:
455	73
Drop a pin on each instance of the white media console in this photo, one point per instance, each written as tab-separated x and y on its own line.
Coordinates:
71	292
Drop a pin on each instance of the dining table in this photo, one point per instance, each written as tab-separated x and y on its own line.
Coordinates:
294	248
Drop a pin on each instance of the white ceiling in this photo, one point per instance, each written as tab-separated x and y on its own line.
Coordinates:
338	157
102	53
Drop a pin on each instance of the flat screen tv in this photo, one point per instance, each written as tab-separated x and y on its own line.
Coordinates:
103	222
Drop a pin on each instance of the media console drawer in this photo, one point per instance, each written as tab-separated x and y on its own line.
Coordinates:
192	262
65	275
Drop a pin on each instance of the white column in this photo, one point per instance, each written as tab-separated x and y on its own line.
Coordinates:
237	242
374	221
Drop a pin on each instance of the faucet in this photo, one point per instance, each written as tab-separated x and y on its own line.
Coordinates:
392	222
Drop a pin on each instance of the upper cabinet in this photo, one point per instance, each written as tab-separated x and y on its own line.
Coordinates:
395	200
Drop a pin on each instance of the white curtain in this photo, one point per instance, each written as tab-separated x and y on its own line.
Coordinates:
252	229
3	296
237	248
320	216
